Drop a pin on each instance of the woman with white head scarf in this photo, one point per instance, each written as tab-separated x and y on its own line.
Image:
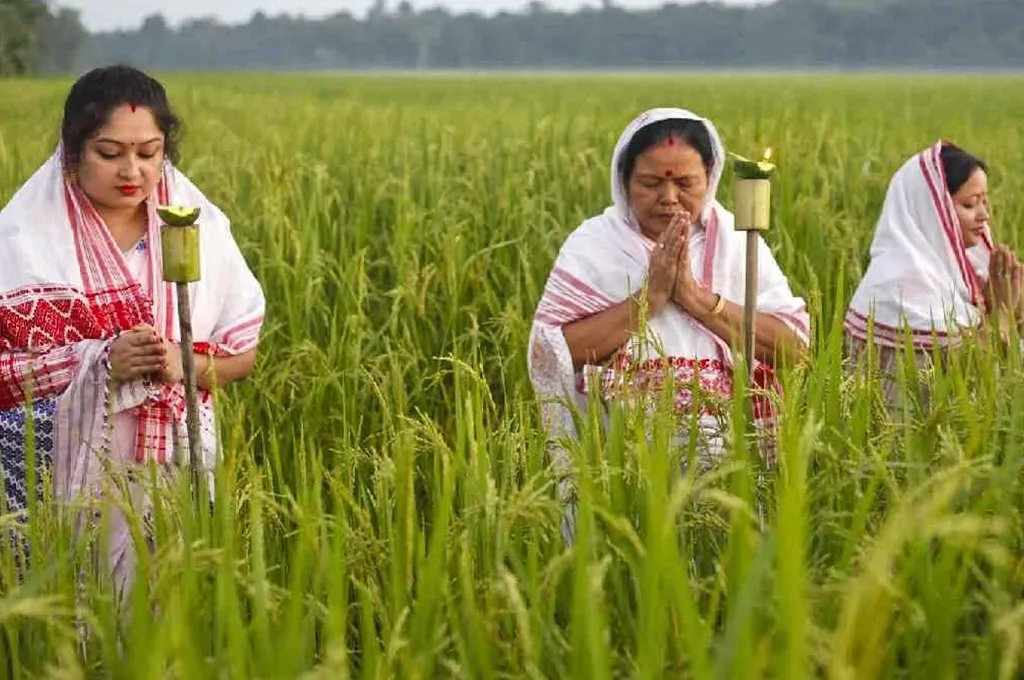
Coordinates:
89	338
935	276
667	251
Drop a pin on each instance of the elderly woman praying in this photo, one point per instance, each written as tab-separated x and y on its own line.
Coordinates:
666	251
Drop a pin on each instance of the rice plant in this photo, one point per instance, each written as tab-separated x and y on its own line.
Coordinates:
386	507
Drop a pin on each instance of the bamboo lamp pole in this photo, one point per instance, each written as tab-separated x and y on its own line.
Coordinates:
179	237
753	198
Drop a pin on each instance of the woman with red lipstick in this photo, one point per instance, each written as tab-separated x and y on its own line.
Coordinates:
935	274
652	290
88	330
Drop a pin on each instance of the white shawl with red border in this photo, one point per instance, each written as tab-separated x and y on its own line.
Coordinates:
65	293
605	260
921	277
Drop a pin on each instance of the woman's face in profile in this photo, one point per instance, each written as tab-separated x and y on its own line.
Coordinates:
667	178
971	202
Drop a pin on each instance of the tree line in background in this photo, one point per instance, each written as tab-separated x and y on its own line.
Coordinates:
35	37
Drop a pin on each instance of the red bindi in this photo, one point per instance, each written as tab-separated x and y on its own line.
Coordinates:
668	173
133	106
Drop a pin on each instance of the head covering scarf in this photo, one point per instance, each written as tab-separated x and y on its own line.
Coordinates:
921	278
66	293
606	259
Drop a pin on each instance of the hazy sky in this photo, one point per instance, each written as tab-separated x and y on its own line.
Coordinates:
99	15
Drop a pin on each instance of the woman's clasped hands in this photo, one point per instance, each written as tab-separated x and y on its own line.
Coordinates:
670	274
1006	283
142	353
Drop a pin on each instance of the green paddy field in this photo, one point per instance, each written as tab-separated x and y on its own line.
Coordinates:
386	509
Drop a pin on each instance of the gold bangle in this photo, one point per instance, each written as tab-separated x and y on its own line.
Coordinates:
719	306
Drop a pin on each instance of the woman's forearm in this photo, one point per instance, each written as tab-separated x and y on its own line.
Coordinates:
774	340
219	371
593	339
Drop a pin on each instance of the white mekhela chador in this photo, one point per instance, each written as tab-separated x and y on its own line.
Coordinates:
66	292
921	277
922	282
604	261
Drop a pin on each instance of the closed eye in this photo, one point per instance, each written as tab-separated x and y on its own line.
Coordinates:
111	156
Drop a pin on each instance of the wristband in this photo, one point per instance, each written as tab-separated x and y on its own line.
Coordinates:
719	306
